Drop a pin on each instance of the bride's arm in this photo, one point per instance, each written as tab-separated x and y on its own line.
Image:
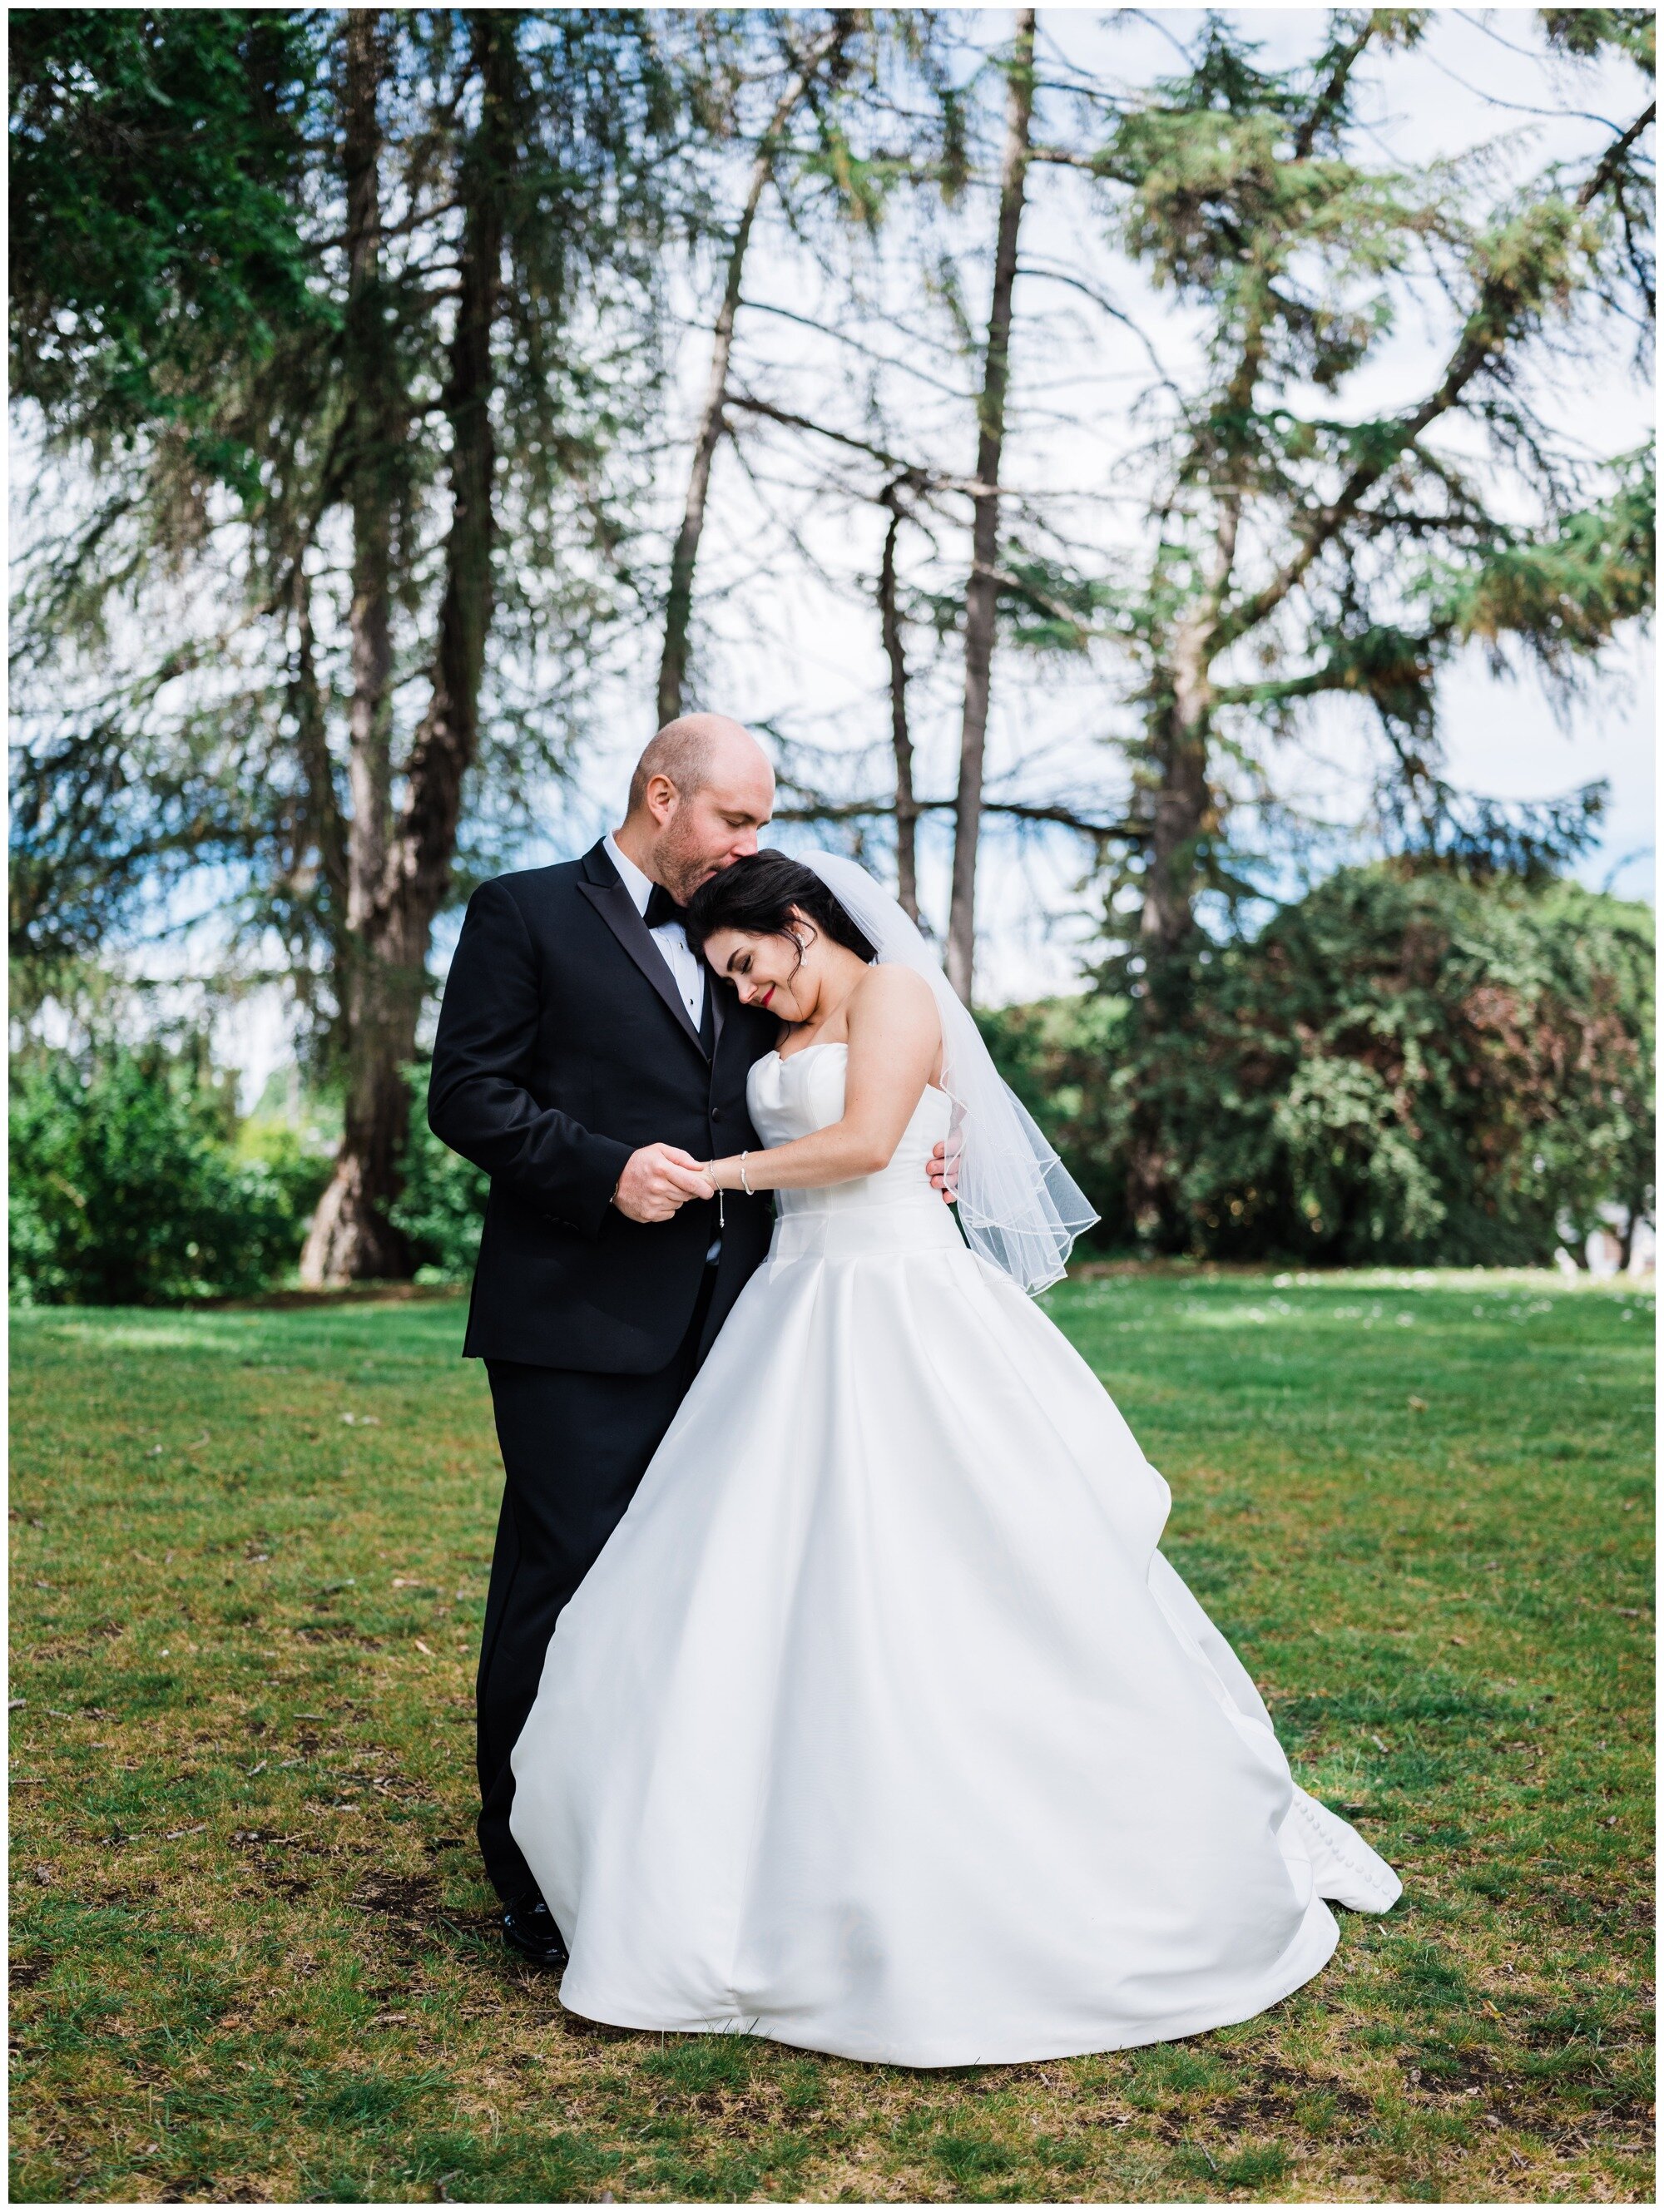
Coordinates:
895	1037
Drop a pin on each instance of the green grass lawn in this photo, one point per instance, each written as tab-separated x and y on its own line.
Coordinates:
253	1956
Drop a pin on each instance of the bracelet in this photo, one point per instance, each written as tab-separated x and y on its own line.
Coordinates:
745	1179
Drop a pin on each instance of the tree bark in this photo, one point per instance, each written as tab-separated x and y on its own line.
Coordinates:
907	804
1636	1212
981	592
321	830
351	1238
1182	802
678	610
369	467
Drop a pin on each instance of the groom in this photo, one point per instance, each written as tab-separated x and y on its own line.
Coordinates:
587	1061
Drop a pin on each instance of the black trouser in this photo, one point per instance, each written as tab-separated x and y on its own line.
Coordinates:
574	1447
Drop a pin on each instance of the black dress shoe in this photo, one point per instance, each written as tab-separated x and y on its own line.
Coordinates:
529	1928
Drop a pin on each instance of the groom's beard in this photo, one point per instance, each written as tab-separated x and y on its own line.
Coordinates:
680	864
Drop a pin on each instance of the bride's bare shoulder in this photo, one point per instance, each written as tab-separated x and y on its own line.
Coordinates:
895	1000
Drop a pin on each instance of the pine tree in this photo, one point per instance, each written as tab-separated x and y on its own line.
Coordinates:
365	430
1297	552
1300	553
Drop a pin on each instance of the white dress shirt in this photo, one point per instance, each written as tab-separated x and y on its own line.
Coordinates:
687	969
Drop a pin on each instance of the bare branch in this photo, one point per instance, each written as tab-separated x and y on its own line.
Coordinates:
1056	814
912	474
1118	314
673	664
870	353
414	221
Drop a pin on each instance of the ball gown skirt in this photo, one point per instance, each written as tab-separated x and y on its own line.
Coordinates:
881	1726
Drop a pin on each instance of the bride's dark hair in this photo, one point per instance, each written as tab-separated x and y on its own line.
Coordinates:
757	896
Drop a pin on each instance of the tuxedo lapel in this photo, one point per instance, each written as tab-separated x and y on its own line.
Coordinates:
600	885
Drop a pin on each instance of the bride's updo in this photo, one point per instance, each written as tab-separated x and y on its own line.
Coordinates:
757	896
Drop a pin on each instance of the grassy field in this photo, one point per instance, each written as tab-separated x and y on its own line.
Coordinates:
252	1958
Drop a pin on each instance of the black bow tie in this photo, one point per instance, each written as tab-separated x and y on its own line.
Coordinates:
662	907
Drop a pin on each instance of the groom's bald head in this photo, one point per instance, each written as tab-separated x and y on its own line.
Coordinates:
695	750
700	793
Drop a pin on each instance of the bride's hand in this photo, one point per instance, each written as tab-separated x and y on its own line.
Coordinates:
657	1181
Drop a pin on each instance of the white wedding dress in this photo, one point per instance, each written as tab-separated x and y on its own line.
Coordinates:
881	1726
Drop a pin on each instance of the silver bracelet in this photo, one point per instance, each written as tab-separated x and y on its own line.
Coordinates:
745	1179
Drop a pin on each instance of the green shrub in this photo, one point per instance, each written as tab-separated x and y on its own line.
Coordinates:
1057	1055
441	1205
1401	1067
292	1157
127	1187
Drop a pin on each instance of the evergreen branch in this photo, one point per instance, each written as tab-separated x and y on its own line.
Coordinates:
1334	92
1607	167
1478	343
1336	676
1503	299
1064	157
1022	587
1066	817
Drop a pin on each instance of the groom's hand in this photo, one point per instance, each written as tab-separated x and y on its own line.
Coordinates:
657	1180
944	1173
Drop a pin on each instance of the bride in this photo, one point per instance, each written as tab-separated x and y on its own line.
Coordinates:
881	1726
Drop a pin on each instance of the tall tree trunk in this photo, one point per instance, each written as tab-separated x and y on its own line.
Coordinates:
350	1237
1182	800
1636	1211
370	470
320	830
1180	803
981	592
907	804
1181	810
678	610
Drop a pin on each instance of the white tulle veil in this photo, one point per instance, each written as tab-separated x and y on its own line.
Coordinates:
1018	1204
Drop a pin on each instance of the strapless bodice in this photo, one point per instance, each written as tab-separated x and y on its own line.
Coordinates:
895	1209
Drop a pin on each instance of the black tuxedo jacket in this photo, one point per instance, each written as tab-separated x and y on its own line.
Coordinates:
563	1045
